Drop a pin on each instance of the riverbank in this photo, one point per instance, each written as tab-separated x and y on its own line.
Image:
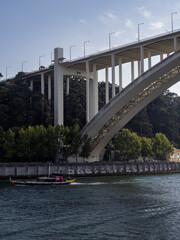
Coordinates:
27	170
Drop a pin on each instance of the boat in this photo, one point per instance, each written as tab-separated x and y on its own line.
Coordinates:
44	181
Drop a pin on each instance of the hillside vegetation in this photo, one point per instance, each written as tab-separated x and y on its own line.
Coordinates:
20	108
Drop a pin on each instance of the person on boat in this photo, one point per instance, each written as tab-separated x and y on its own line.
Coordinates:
61	179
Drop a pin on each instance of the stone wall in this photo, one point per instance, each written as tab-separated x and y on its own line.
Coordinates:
86	169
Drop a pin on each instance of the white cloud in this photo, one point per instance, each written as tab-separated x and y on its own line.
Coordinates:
147	14
83	21
111	16
129	23
108	17
156	25
119	33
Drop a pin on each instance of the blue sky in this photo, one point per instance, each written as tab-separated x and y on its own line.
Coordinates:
33	28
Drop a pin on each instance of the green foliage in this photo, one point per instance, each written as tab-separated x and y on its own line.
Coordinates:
41	144
20	107
2	140
162	148
130	145
146	147
9	144
127	144
86	147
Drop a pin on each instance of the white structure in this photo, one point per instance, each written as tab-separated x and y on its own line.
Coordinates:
88	67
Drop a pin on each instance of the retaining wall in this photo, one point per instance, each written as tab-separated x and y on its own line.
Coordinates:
86	169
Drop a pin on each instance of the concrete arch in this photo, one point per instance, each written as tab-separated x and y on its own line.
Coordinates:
125	105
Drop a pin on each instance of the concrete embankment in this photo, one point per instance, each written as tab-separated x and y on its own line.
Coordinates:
24	170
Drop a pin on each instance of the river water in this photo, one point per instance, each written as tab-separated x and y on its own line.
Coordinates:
99	208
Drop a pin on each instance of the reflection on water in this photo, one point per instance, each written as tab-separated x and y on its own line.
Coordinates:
126	207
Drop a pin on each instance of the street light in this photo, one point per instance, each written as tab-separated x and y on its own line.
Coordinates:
172	20
51	57
70	51
7	69
139	31
40	60
110	39
85	47
22	63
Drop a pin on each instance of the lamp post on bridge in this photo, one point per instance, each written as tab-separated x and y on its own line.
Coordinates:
85	47
52	57
172	20
70	51
110	39
7	69
40	60
139	30
22	65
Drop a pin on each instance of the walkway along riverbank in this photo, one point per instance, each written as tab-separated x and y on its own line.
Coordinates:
24	170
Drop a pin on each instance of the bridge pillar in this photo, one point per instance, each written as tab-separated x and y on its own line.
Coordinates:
58	87
139	68
91	99
175	44
67	86
142	59
161	57
132	70
49	87
42	83
120	74
31	85
107	84
149	59
113	74
87	91
95	91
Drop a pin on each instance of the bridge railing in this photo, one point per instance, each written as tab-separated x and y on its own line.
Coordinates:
125	45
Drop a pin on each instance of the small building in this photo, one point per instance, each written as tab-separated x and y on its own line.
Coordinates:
175	157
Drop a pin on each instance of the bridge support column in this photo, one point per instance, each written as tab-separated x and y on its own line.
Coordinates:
139	68
31	85
49	87
107	84
142	59
95	90
132	71
120	74
149	59
67	86
161	57
175	44
58	87
87	91
91	99
42	83
113	74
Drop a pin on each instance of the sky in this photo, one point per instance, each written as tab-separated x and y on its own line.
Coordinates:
31	29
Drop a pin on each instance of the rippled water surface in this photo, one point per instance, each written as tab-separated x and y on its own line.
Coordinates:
101	208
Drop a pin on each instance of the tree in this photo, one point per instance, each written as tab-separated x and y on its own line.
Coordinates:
127	144
9	144
85	147
2	140
75	140
146	147
162	148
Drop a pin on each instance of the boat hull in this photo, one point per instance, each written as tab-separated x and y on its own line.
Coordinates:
35	183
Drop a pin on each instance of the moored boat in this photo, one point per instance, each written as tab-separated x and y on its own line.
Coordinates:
44	181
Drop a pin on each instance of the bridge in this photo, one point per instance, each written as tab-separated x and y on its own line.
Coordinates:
104	124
